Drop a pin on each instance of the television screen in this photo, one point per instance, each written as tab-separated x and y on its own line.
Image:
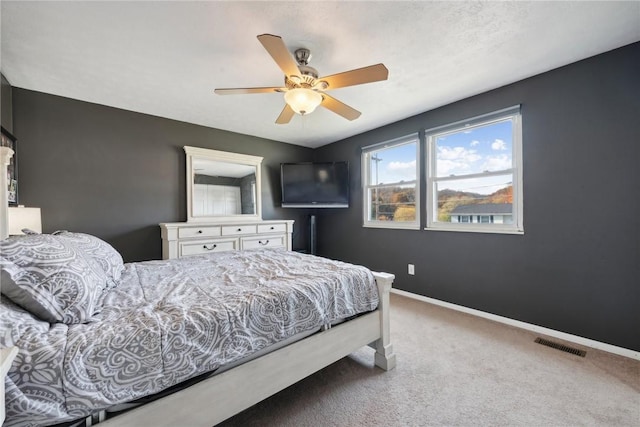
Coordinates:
315	185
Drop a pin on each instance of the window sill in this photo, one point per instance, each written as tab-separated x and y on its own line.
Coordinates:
392	226
477	230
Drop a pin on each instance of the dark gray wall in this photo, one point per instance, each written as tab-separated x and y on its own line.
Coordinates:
6	104
117	174
577	268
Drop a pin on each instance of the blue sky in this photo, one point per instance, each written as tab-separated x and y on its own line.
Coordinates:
396	164
479	149
486	148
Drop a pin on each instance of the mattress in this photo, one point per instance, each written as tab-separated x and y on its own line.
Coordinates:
168	321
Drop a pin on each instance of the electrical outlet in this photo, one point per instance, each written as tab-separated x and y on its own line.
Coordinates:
412	269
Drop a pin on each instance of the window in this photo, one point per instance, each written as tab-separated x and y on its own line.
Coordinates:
485	218
474	174
391	186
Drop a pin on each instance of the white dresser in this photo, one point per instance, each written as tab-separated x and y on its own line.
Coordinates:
194	238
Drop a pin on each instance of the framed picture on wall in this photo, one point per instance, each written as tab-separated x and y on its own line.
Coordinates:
9	140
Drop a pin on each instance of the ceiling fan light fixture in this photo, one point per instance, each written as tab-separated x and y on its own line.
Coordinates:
302	101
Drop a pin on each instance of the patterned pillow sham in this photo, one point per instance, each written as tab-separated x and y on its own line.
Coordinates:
103	253
50	278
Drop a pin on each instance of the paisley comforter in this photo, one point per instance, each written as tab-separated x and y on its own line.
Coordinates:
168	321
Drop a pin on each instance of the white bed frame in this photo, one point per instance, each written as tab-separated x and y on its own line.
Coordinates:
219	397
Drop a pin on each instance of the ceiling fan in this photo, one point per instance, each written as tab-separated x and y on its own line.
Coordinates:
303	90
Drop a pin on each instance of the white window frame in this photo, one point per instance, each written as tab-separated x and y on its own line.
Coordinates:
366	174
432	180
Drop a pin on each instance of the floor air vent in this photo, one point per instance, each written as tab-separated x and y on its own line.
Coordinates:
561	347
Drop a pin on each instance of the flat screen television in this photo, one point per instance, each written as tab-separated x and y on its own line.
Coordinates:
315	185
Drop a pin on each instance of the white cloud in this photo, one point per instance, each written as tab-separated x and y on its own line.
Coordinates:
496	163
399	171
395	166
498	145
455	160
449	167
458	154
474	143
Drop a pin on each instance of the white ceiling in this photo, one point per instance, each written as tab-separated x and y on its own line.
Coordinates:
165	58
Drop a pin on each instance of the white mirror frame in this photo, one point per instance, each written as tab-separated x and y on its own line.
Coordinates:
222	156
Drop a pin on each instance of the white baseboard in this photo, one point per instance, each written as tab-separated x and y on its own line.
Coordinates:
528	326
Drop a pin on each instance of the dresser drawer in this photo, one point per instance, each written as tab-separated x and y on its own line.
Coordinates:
187	232
208	246
272	228
238	230
276	241
194	238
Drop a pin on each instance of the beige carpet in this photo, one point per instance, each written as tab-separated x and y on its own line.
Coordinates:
459	370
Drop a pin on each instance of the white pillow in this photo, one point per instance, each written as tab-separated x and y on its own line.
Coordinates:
103	253
51	278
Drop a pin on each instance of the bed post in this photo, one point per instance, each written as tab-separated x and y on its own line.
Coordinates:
5	157
385	358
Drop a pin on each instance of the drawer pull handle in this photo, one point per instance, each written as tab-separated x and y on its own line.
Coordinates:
273	228
209	248
239	229
266	242
199	231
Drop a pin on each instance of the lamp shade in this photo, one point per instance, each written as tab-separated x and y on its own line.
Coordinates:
21	218
302	101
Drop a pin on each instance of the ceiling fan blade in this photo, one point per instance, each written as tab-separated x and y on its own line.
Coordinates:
372	73
247	90
285	116
340	108
279	52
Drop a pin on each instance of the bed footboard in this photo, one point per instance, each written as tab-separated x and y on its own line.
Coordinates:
385	358
217	398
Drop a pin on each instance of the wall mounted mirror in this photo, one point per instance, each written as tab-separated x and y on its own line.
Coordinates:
222	186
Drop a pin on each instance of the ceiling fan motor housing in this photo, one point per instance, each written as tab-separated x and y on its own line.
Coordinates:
308	74
303	56
306	79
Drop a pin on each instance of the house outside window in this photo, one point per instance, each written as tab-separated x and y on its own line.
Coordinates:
474	174
486	213
391	189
